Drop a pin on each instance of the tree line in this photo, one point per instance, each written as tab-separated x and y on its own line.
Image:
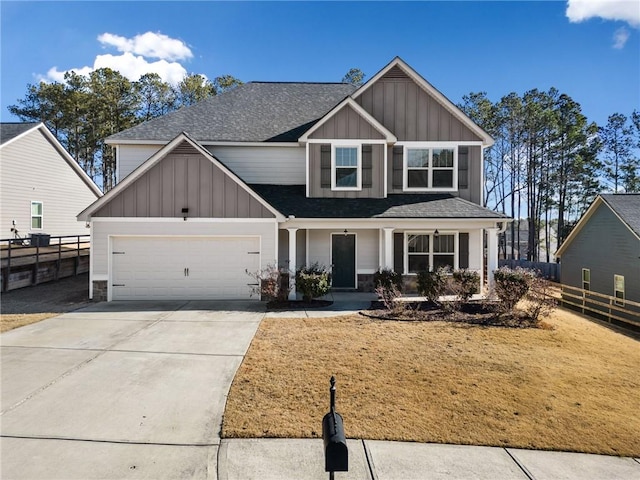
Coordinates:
84	110
549	162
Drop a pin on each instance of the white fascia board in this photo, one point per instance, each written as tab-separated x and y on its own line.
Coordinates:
444	101
396	223
62	151
389	136
212	143
180	220
23	134
155	158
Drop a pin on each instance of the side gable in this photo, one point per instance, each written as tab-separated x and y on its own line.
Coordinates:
348	120
182	175
598	203
414	110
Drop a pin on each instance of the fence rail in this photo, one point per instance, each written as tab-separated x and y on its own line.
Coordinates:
550	271
42	258
611	308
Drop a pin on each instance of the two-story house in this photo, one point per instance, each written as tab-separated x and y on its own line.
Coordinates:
386	175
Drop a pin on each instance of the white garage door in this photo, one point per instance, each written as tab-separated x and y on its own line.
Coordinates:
183	268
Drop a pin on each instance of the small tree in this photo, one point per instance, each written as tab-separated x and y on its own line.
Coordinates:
272	283
388	286
313	281
432	284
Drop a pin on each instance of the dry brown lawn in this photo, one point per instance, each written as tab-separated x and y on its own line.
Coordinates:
11	321
575	387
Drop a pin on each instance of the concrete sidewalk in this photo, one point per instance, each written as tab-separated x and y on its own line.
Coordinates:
245	459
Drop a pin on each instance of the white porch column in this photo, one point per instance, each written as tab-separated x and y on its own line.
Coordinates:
388	248
492	254
292	262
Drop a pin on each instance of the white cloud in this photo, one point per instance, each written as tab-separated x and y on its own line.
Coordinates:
133	62
149	44
620	38
623	10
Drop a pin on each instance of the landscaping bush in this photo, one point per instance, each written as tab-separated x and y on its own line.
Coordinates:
272	283
388	286
432	284
313	281
465	284
511	285
540	302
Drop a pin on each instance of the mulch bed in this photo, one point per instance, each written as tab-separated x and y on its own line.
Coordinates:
297	304
474	313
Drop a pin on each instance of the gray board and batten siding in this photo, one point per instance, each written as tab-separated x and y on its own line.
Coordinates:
408	111
185	178
606	247
347	124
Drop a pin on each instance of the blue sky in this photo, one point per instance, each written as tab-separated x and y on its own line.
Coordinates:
458	46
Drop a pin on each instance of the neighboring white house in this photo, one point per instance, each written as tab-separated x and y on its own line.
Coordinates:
42	188
386	175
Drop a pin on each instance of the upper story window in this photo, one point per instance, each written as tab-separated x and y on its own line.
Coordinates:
346	171
430	168
36	215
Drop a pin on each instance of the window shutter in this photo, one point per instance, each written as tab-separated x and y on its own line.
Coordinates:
398	252
325	166
463	254
367	166
397	167
463	168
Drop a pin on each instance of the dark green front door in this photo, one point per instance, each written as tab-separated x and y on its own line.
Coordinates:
343	258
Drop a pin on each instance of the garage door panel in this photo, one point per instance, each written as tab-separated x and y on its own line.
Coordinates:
168	268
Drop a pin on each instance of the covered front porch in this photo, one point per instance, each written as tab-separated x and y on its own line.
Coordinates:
354	249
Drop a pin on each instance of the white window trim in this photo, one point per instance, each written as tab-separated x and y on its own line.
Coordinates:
429	145
32	216
619	302
583	280
430	233
345	144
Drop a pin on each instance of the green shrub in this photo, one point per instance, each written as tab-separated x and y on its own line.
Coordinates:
313	281
511	285
465	284
432	284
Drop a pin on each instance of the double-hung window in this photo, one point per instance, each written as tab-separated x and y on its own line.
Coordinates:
346	168
36	215
586	279
428	251
430	168
618	289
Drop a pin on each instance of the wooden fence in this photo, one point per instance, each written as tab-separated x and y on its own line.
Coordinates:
550	271
603	306
27	262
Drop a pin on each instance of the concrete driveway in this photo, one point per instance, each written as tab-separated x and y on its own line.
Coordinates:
121	390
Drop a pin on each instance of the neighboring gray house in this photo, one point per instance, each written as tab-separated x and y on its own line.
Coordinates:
602	253
42	188
388	174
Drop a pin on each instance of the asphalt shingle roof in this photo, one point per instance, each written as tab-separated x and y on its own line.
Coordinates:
291	200
627	206
11	130
253	112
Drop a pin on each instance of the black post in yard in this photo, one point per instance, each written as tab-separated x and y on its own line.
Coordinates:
336	454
